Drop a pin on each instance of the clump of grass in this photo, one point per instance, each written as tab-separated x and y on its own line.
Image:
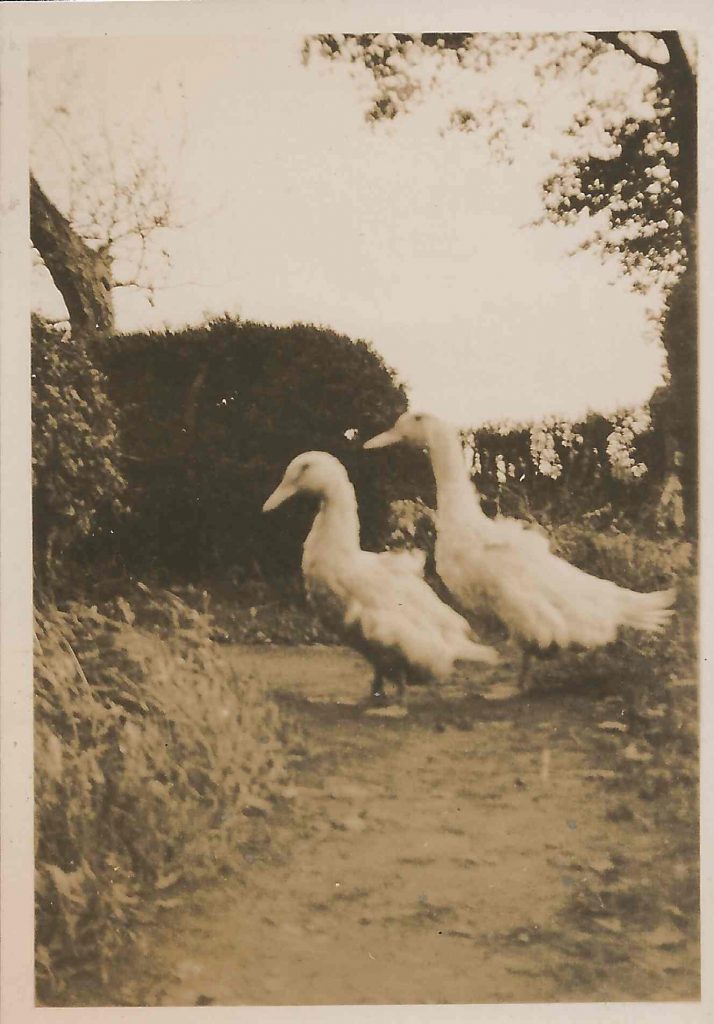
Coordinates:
650	681
647	685
151	754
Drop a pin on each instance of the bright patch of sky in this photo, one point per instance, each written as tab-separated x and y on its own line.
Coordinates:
294	209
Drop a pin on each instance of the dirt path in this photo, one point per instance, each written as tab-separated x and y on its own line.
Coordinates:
429	859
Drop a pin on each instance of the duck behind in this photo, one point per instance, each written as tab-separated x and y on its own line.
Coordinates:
379	603
502	565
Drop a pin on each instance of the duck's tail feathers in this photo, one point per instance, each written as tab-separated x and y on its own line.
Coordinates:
650	612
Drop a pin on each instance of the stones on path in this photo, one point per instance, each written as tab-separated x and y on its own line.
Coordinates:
389	711
256	807
350	817
602	865
348	823
609	924
501	691
664	937
597	774
634	753
345	789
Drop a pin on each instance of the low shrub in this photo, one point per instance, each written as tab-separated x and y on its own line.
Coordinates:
152	756
77	466
632	559
255	611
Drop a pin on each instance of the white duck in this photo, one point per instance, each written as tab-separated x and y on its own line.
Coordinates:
379	603
502	565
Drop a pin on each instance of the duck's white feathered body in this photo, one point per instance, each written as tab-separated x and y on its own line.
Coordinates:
379	603
383	606
503	566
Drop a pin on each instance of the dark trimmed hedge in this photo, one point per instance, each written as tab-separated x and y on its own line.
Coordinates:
209	418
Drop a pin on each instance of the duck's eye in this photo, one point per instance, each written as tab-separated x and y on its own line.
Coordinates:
418	417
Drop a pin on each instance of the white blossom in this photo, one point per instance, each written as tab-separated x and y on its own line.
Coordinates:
660	172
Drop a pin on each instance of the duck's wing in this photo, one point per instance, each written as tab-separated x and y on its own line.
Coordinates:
398	609
513	533
328	600
545	599
503	570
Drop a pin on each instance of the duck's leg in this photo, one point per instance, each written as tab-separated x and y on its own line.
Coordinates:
399	682
378	686
526	658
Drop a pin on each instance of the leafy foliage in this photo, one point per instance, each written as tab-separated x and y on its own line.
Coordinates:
641	171
392	59
150	752
630	150
211	416
633	180
77	469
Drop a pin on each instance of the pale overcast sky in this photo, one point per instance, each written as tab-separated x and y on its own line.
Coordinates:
296	210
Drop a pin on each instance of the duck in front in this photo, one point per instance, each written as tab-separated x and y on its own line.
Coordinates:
378	603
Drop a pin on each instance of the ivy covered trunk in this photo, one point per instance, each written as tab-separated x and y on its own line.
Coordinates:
680	406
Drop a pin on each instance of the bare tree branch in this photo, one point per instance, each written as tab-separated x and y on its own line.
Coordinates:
119	192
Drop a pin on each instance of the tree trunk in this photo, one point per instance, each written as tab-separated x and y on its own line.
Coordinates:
678	411
681	326
82	276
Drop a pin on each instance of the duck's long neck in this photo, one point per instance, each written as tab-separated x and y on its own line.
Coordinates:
336	526
454	488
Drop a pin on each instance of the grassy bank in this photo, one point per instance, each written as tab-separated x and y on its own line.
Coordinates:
154	761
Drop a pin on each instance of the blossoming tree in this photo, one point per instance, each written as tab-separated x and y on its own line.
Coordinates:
627	160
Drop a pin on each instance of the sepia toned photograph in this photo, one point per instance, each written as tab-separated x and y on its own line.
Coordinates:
365	517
